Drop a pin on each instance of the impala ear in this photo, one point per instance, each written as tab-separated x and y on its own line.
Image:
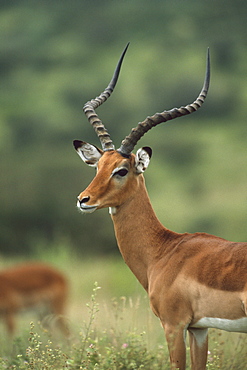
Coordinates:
142	158
90	154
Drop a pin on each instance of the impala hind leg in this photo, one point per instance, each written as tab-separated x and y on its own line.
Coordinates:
175	336
198	348
58	308
10	323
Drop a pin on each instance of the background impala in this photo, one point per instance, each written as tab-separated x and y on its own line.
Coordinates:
32	285
194	281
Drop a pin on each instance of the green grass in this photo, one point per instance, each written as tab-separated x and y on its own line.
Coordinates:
112	326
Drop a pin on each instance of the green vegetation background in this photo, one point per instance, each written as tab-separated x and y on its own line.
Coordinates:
55	55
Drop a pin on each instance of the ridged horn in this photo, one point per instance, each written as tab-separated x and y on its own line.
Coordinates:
90	106
130	141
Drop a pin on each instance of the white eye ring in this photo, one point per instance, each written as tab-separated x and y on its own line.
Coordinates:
120	171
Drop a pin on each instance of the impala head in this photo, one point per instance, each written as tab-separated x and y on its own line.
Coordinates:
118	171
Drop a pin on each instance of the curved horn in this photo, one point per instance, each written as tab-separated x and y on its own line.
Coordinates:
90	106
130	141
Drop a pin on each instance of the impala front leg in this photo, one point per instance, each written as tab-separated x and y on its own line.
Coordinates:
175	336
198	348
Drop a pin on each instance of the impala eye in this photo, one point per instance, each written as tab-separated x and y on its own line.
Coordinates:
122	172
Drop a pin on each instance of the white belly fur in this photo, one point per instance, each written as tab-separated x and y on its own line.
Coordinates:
239	325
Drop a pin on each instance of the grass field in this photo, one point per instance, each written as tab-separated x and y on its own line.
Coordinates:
112	326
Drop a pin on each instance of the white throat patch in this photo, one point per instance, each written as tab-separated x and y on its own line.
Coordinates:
112	210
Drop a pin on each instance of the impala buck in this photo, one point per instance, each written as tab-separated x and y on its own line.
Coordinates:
32	285
194	281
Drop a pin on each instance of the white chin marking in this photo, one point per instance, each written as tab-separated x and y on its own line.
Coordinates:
85	208
239	325
88	210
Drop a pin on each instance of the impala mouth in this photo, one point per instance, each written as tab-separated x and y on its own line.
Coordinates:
86	208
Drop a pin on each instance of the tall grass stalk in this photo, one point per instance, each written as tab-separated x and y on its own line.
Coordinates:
110	332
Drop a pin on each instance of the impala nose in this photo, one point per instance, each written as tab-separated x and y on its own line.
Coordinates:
83	200
81	204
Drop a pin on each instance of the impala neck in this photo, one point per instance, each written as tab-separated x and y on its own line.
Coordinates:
139	233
